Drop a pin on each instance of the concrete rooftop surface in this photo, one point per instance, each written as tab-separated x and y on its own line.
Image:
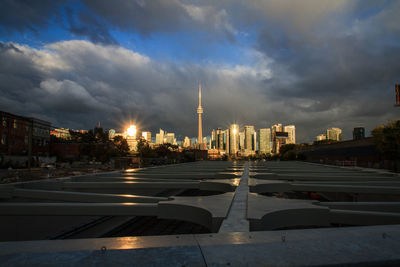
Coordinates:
206	213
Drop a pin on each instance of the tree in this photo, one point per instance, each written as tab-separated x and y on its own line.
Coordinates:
287	152
162	150
144	149
283	149
387	140
121	145
100	136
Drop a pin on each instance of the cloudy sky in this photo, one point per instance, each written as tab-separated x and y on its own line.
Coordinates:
312	63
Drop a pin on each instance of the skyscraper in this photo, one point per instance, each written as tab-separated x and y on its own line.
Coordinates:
160	137
220	139
264	141
226	135
255	142
170	138
248	137
147	136
111	134
204	143
275	142
200	111
241	140
131	137
291	130
213	135
334	134
397	94
186	142
358	133
233	139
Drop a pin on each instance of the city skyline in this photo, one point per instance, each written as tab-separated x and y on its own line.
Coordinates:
313	64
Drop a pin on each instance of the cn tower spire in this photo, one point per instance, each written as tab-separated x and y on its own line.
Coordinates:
200	111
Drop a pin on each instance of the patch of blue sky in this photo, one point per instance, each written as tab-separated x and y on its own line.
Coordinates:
55	30
37	39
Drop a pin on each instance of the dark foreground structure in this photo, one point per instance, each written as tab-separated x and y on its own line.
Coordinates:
205	214
361	152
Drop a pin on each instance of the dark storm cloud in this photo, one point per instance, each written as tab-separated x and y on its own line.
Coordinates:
143	16
340	71
19	15
88	25
28	86
150	17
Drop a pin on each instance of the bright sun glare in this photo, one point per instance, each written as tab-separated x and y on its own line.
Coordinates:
131	130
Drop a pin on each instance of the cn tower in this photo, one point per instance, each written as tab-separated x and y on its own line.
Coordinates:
200	111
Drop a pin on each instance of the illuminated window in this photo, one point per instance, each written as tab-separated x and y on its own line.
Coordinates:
15	124
4	122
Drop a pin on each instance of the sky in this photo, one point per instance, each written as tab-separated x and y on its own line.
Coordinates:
315	64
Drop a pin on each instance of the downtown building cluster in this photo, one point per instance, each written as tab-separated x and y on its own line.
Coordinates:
248	141
133	136
234	141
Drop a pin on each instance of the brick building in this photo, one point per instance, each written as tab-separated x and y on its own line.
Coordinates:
19	134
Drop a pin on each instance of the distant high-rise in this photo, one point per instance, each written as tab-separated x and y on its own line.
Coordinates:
219	139
264	141
213	135
226	137
255	141
160	137
111	134
200	111
186	142
249	137
334	134
241	140
131	137
170	138
291	130
204	142
275	142
147	136
233	139
397	94
213	143
358	133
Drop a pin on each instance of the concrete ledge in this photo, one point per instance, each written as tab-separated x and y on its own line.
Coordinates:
355	217
201	210
371	246
220	185
78	209
65	196
322	177
365	206
272	186
269	213
129	185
